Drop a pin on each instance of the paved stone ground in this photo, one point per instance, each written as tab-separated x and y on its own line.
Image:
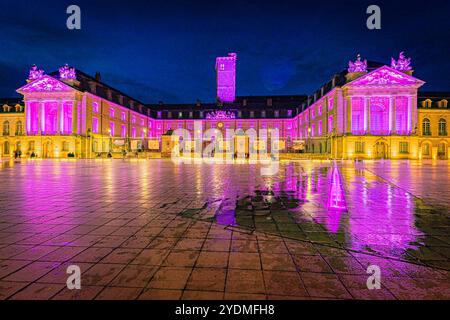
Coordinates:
155	230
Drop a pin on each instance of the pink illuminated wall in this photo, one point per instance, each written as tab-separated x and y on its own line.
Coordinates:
401	115
226	78
66	117
51	118
379	115
33	118
357	115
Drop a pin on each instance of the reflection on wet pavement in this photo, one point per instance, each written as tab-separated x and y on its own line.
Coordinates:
315	224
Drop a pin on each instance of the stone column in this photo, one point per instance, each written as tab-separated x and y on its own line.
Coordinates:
348	115
392	116
41	117
410	115
60	120
367	115
74	117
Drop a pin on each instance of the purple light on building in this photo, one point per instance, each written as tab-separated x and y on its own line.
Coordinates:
226	78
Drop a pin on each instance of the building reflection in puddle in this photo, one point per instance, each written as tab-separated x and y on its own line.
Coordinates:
379	217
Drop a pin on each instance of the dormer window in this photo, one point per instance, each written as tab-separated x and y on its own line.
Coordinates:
277	114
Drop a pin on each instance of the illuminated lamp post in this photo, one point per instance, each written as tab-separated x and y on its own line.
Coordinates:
110	141
145	138
309	139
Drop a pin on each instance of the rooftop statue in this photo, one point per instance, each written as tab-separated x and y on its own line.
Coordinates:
402	63
358	65
35	73
66	72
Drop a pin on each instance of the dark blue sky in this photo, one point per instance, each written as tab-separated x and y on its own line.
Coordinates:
165	50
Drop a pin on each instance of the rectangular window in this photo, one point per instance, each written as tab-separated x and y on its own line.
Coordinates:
111	113
319	128
133	132
142	122
359	147
95	125
123	132
404	147
330	124
133	119
159	114
95	107
312	130
123	116
277	114
330	104
320	110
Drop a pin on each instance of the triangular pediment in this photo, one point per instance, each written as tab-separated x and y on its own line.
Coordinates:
45	84
385	76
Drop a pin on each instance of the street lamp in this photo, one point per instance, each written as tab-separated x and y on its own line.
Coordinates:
145	138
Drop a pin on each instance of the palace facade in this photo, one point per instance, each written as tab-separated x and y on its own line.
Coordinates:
369	111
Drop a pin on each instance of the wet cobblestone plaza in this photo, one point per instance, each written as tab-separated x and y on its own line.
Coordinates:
151	229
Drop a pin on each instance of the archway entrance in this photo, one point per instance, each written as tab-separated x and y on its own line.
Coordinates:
380	151
426	150
442	151
6	149
47	150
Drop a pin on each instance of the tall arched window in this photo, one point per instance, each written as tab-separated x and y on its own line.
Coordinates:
426	131
442	127
6	128
19	128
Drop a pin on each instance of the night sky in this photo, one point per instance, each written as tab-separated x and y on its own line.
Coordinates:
165	50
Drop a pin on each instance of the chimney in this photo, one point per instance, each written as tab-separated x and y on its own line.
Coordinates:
98	77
